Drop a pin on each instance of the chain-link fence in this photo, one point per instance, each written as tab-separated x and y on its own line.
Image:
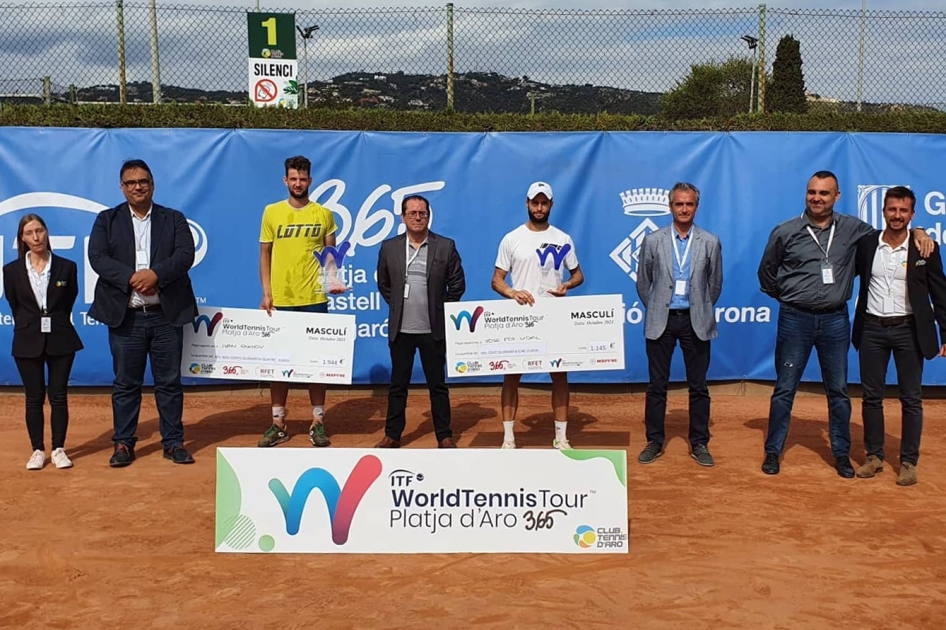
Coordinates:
483	59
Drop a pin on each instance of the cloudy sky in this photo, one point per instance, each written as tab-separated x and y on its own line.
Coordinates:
206	47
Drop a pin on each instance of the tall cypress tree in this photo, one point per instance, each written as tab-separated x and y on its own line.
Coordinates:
787	92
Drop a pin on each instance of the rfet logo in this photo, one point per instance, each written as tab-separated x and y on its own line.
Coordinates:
210	322
471	318
341	502
557	252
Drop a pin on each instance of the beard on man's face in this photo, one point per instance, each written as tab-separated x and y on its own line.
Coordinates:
539	219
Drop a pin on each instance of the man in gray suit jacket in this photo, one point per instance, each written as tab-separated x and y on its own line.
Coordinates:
679	279
417	272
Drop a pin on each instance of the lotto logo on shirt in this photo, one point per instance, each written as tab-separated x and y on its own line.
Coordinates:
299	230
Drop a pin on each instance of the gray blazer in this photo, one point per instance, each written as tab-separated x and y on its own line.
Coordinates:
655	281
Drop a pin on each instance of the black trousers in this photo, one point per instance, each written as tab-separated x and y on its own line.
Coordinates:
433	358
696	358
33	374
877	344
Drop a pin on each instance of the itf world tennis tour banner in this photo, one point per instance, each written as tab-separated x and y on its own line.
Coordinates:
250	344
610	193
421	501
569	334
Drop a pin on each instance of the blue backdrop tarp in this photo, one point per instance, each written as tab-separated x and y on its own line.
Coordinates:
610	190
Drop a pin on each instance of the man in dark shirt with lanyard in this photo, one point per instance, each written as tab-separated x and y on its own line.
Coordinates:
808	266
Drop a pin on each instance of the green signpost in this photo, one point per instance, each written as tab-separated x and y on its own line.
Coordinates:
273	69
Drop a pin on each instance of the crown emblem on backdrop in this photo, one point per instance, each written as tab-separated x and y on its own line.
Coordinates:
645	202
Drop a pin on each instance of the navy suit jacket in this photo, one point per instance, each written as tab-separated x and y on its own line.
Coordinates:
926	282
112	256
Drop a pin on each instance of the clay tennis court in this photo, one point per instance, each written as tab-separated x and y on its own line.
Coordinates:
725	547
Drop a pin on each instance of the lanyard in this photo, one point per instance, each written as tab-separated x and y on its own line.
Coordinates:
681	260
407	254
888	280
142	229
818	243
40	283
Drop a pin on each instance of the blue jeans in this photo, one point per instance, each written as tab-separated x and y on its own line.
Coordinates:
798	333
142	335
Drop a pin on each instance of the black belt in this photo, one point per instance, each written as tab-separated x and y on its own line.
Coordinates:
819	311
678	312
889	321
146	308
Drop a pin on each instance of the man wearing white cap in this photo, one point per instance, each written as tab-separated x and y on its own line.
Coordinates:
535	254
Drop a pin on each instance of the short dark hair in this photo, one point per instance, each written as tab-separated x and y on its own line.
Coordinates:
827	175
298	163
901	192
684	187
21	247
130	164
406	199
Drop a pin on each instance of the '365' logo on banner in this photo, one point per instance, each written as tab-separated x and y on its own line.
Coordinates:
341	502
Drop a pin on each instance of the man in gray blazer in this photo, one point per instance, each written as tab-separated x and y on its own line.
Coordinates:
417	272
679	279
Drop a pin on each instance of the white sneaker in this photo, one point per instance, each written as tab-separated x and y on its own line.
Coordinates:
37	460
561	445
508	444
60	459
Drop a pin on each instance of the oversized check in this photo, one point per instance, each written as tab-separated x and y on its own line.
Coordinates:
248	344
569	334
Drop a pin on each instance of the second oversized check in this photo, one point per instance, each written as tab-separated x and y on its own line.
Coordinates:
570	334
248	344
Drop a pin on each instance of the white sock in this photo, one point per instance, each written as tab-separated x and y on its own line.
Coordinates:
560	430
318	413
279	415
508	434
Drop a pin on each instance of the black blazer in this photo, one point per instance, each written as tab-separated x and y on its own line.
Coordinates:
925	281
445	280
112	256
28	341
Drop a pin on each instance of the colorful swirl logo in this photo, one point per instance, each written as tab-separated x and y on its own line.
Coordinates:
461	367
585	537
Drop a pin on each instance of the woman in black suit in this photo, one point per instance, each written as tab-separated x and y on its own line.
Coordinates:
42	289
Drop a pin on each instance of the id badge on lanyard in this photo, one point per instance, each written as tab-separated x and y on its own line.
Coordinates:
46	324
827	268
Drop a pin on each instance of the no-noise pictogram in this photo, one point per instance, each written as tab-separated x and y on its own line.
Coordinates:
265	91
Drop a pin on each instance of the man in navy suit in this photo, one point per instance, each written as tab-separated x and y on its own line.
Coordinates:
142	252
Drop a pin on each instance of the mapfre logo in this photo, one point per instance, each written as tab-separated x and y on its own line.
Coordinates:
640	203
69	218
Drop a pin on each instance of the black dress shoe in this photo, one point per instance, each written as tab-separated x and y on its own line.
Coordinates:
123	456
178	455
844	468
770	466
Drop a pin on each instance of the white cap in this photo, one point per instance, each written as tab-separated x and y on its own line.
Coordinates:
539	187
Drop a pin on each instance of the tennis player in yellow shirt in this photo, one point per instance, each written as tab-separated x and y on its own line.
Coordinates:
291	231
